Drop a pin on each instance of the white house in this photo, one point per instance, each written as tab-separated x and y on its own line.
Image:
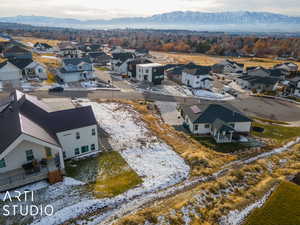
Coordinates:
151	72
290	67
30	68
35	141
76	69
228	67
10	73
220	121
198	78
119	62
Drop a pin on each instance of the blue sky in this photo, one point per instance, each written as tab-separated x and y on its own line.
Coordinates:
106	9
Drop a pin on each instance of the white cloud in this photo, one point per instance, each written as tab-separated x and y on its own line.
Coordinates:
96	9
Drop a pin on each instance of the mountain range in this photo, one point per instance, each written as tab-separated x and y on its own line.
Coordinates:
173	20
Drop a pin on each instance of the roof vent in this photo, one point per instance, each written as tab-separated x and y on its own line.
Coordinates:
195	109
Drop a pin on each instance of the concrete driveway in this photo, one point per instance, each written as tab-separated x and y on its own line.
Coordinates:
169	113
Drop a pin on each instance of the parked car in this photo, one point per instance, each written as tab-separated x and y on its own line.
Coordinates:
56	89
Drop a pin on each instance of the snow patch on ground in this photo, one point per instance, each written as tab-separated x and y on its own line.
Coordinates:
72	182
209	95
49	57
153	160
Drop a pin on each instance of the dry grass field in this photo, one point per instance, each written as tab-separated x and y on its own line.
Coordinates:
34	40
210	60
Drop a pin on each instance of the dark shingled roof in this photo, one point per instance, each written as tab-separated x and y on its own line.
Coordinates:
210	112
123	56
220	125
2	64
76	61
21	63
199	70
15	49
26	114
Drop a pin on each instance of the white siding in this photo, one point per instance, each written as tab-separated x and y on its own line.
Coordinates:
10	72
17	157
69	142
195	81
243	127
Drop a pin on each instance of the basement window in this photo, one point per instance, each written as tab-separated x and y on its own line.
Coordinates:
93	147
2	163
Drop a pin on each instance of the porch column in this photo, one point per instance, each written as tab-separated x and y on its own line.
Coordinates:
61	159
218	137
231	133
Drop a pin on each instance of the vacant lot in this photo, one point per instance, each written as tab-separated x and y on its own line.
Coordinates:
283	207
210	60
33	40
280	134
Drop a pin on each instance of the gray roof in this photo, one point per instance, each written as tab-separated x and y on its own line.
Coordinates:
210	112
220	126
199	70
76	61
26	114
259	80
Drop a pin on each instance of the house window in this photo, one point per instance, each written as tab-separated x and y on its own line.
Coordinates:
48	152
147	71
93	132
93	147
2	163
29	155
76	151
196	127
84	149
207	126
77	135
64	155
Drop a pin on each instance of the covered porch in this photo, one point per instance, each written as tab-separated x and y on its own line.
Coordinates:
222	132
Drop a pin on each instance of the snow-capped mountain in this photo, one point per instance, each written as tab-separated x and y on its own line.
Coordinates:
179	18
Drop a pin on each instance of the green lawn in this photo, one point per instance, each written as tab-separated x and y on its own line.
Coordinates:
279	133
225	148
102	68
107	175
282	208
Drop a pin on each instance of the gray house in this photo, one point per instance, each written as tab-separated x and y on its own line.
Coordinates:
76	69
16	52
221	121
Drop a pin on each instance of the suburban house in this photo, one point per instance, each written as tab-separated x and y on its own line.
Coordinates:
198	78
43	47
76	69
293	88
35	141
141	52
10	74
175	74
222	121
131	66
89	47
290	67
69	50
257	71
30	69
257	83
151	72
228	67
117	49
99	58
119	62
16	52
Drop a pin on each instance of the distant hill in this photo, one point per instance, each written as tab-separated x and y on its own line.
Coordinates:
179	19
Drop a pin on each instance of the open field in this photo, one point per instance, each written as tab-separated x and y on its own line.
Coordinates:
283	207
34	40
210	60
279	134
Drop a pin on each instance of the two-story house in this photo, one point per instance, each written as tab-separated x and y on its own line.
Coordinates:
290	67
199	77
151	72
119	62
30	69
35	141
221	121
131	66
228	67
10	74
76	69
